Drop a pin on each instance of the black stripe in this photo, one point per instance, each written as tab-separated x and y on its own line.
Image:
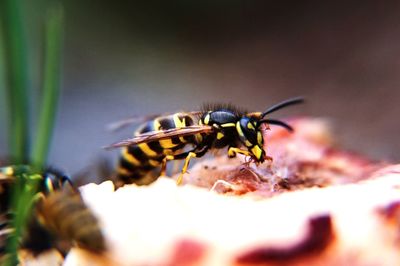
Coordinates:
132	168
136	152
190	139
155	146
133	177
176	140
167	123
149	126
129	179
123	163
145	166
188	120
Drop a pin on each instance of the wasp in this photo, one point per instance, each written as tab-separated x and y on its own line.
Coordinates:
165	138
59	214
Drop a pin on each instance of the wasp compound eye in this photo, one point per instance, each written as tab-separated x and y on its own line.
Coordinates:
247	131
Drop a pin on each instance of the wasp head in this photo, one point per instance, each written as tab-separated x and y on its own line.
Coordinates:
250	132
251	136
54	180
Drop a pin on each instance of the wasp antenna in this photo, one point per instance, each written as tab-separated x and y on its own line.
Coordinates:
276	122
283	104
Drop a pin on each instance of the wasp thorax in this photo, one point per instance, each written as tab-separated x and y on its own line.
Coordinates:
219	117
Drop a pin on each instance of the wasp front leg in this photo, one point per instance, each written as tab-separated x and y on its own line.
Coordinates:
232	151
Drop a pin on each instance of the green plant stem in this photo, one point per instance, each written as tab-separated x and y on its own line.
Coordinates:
51	84
23	198
17	76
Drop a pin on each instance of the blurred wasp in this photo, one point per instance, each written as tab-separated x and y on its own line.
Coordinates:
59	217
164	138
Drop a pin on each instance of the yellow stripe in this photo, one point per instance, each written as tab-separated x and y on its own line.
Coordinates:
256	151
199	138
156	124
207	118
228	125
241	135
168	152
154	163
167	143
250	126
178	122
259	138
123	171
182	139
239	129
129	157
146	150
220	135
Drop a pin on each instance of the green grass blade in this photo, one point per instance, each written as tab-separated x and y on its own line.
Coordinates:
51	84
23	198
17	77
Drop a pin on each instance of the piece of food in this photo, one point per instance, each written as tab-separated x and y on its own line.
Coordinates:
313	205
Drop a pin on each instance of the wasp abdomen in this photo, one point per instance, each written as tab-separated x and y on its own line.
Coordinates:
139	160
67	216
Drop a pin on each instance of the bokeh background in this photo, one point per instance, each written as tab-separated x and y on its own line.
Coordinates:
124	58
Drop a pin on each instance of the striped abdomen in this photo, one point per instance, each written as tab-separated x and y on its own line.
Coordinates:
67	217
137	161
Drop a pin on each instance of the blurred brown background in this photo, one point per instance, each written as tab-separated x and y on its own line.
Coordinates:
133	58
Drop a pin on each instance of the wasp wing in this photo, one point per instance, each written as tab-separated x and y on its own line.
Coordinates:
160	135
123	123
118	125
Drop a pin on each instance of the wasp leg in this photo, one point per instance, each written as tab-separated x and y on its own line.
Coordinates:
188	155
185	166
164	164
232	151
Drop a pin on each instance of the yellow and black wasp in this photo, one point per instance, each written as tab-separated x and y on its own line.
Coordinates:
59	214
165	138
